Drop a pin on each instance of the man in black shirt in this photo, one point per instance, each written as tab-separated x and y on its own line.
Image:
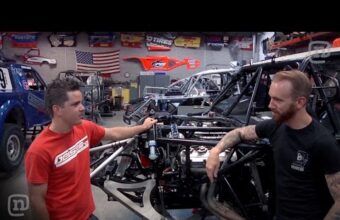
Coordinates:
306	155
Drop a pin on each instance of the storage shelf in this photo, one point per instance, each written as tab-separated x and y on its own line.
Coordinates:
297	40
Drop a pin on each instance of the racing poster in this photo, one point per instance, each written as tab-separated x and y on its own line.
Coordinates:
24	40
101	39
158	43
187	41
134	40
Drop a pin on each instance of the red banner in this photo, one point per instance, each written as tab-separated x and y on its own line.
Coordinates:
24	40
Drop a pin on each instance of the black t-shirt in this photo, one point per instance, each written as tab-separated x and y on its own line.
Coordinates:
302	158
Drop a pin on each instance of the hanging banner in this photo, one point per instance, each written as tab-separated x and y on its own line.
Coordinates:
214	42
186	41
24	40
101	39
158	43
63	39
131	40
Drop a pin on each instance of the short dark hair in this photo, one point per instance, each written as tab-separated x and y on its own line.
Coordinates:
56	93
301	84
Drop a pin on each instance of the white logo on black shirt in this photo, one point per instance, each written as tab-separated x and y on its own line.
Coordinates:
301	161
71	152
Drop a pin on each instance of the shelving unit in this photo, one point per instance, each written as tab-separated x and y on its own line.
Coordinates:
299	40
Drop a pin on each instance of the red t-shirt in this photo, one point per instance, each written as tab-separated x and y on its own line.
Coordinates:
62	161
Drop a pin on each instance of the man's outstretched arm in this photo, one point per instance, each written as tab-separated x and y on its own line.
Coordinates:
120	133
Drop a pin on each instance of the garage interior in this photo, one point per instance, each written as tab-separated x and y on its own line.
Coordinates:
139	60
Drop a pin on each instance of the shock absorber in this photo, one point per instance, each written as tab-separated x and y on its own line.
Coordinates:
174	129
152	143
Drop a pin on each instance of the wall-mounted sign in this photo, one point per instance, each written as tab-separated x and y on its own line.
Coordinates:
244	43
24	40
101	39
63	39
214	42
132	40
158	43
186	41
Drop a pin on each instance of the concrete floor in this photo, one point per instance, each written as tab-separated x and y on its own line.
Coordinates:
13	187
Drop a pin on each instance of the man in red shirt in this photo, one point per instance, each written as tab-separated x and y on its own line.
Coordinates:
57	162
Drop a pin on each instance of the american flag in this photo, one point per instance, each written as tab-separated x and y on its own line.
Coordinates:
106	62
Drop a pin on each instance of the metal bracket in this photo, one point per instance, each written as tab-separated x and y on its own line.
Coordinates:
146	211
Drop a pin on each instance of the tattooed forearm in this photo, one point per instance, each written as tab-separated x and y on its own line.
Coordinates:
333	182
235	136
230	139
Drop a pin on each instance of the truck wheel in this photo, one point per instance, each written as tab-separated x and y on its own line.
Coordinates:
11	147
104	108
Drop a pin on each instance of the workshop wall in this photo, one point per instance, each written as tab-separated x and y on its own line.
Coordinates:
66	59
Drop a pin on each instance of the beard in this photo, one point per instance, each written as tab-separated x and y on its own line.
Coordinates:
284	116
